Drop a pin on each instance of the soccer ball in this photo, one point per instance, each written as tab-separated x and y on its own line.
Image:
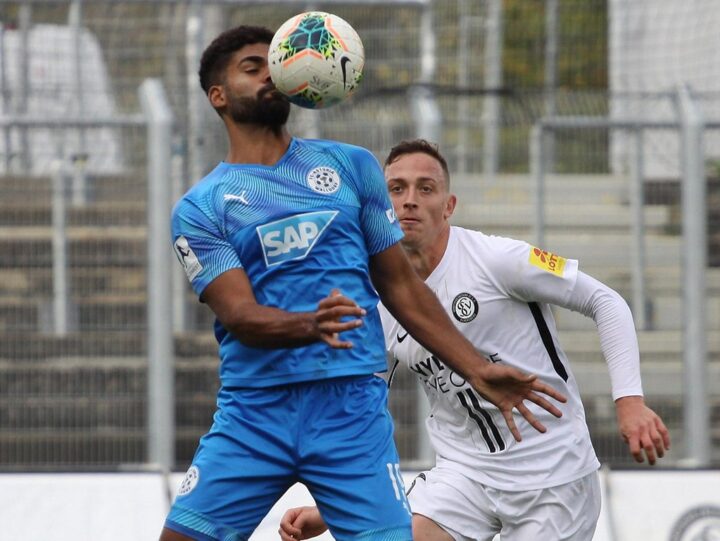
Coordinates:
316	59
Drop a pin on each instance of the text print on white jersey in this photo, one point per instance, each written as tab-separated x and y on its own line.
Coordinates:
293	237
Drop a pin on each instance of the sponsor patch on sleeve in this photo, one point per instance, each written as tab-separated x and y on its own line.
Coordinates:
187	257
547	261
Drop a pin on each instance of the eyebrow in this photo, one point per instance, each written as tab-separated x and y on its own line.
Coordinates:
255	59
423	179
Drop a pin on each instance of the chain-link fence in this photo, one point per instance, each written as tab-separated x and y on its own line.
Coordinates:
76	397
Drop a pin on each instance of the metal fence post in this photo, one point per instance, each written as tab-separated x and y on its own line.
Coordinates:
59	250
537	174
428	118
694	224
550	79
161	380
637	255
493	82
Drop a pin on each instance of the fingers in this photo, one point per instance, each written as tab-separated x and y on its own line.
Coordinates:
544	404
510	421
331	310
658	440
336	299
635	449
646	436
649	447
664	432
642	440
544	388
530	418
288	531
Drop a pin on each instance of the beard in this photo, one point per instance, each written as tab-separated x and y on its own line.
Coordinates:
269	108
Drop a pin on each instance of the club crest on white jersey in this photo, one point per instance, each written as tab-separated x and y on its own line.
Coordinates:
293	237
464	307
324	180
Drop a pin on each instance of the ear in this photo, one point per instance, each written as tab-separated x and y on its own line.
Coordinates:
450	206
216	95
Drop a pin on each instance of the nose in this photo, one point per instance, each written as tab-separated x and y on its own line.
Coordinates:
266	75
409	201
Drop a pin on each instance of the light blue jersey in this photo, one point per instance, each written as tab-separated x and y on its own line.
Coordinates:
298	229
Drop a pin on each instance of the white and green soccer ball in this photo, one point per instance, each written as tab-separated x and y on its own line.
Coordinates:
316	59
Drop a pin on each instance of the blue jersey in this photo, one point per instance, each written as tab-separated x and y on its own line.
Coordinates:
298	229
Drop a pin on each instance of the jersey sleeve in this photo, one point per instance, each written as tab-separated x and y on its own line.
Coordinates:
200	245
377	217
389	325
615	325
533	275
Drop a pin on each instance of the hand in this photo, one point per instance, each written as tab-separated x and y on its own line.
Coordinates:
642	429
327	318
301	523
508	388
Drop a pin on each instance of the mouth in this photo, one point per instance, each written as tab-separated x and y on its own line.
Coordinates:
269	92
409	221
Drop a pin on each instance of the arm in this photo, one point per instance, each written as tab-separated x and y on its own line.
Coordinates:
417	309
640	427
301	523
232	299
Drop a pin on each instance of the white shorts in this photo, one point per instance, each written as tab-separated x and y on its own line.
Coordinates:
470	511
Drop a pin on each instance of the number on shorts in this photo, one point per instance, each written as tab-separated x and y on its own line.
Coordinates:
398	485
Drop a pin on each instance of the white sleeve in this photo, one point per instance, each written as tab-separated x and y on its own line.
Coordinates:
389	325
615	325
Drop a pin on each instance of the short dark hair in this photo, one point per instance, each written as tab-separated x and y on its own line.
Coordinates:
418	145
216	56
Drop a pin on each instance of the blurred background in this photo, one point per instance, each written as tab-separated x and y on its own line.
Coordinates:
586	127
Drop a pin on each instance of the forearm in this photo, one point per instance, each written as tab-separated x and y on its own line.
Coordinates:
618	339
261	326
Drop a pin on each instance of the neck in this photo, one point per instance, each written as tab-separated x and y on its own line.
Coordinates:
250	143
426	258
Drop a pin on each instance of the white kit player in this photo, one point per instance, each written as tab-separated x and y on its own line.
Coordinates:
498	292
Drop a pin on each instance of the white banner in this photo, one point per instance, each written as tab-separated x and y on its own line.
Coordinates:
647	505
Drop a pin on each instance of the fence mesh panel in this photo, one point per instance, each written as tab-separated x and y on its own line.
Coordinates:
75	398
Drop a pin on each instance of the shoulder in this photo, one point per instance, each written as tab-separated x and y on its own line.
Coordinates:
204	195
476	242
347	151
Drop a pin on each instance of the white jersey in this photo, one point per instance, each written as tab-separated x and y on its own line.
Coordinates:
497	291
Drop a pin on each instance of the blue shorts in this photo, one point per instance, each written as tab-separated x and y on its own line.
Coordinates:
334	436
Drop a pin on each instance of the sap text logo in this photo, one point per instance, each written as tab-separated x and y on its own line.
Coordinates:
547	261
293	237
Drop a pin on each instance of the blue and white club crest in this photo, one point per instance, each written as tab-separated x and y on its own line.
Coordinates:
323	180
190	481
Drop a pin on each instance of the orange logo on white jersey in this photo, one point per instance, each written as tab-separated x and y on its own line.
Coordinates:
547	261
